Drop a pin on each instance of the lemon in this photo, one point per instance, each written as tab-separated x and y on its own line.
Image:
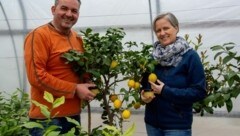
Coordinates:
136	85
131	83
148	94
126	114
117	104
95	91
137	105
113	97
114	63
152	77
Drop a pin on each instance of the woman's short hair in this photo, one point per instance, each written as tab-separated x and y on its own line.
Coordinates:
169	16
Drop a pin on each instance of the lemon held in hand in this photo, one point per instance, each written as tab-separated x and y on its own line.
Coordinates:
152	77
148	94
94	90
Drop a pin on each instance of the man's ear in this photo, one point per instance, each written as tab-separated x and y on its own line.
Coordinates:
53	9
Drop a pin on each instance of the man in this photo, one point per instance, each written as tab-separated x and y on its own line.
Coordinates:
47	71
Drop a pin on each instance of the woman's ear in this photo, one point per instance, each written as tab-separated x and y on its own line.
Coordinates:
177	28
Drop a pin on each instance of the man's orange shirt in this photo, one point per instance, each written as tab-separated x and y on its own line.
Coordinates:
47	71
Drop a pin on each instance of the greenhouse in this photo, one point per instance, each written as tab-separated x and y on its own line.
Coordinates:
205	23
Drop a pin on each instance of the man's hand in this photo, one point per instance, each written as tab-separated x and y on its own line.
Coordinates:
83	91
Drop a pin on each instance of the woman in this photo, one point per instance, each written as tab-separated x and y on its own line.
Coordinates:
181	81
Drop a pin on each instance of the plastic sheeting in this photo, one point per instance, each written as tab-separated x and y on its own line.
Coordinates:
217	20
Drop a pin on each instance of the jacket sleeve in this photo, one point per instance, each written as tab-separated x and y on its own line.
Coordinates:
36	53
196	89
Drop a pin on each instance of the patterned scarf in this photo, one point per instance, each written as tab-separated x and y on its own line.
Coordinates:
170	55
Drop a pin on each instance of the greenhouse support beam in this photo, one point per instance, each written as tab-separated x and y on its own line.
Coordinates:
14	45
150	12
24	81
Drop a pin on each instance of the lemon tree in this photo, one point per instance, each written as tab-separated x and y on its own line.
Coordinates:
109	61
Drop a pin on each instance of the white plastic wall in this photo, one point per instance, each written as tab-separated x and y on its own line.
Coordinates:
217	20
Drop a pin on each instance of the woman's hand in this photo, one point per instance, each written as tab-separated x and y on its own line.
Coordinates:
145	98
157	88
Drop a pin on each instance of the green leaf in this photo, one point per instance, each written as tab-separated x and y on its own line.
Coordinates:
45	112
70	132
73	121
114	131
235	93
217	54
229	48
53	133
39	104
76	58
230	43
58	102
217	47
89	30
48	96
150	67
208	110
226	96
130	131
230	82
208	99
33	125
229	105
95	73
227	59
44	109
50	131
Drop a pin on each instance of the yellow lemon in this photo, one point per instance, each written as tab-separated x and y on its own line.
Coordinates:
126	114
136	85
114	63
137	105
148	94
152	77
117	104
113	97
95	91
131	83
